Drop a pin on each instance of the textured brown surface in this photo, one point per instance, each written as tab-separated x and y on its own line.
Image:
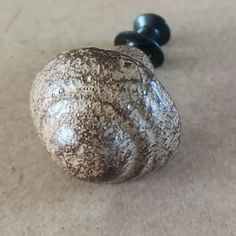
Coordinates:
194	194
103	115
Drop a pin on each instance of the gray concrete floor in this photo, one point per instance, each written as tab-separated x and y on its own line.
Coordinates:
195	194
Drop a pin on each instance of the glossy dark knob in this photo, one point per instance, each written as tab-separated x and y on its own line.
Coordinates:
150	32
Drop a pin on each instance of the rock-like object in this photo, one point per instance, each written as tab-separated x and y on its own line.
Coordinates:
103	115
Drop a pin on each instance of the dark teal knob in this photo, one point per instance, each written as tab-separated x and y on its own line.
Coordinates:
150	33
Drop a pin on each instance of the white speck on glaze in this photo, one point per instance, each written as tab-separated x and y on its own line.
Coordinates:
65	135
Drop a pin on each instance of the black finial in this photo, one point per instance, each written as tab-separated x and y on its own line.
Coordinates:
150	32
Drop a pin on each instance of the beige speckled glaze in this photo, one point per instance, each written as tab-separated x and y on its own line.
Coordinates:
103	115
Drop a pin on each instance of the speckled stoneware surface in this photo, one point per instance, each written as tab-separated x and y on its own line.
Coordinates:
193	195
103	115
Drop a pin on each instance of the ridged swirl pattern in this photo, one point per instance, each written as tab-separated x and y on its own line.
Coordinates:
103	115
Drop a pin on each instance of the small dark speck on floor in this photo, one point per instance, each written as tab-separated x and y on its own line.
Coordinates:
13	169
21	177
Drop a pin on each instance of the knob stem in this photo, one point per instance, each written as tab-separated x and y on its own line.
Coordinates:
150	33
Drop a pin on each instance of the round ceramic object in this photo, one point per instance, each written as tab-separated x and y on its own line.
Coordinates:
103	115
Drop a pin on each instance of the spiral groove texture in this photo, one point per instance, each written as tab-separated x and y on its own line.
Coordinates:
103	115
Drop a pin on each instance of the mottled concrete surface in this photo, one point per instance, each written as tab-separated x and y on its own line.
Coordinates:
195	194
